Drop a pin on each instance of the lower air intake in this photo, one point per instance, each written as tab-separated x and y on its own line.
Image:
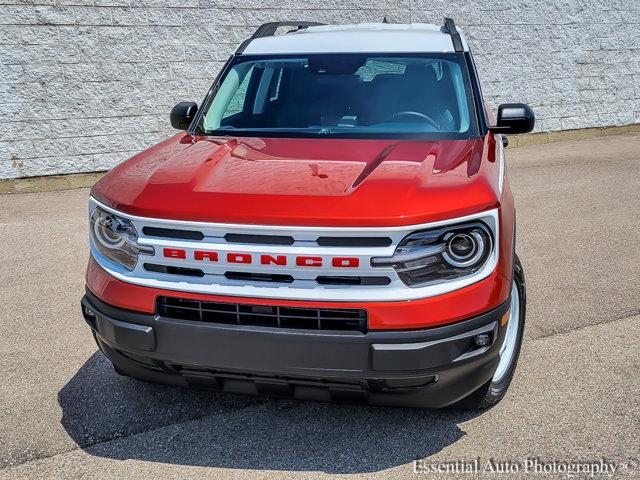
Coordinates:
331	319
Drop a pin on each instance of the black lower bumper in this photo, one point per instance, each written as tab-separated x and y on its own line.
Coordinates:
421	368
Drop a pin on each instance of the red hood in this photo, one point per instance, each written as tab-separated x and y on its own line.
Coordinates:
303	181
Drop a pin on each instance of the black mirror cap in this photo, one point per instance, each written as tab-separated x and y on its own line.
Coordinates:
182	115
514	118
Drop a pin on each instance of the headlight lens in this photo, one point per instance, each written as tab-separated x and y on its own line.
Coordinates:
116	238
434	256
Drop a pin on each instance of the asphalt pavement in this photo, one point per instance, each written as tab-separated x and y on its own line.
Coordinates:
575	398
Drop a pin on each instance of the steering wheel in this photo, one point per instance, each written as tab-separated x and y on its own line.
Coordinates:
416	115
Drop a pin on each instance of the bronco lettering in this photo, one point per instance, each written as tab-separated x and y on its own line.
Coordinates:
265	259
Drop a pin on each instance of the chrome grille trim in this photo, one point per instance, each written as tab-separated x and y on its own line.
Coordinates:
304	285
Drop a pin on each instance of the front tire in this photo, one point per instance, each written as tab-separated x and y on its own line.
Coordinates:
495	389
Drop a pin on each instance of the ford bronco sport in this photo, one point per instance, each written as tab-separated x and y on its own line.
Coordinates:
333	223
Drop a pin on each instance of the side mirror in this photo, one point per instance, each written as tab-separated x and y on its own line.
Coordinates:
182	114
514	118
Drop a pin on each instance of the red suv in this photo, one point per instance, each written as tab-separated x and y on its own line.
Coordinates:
333	223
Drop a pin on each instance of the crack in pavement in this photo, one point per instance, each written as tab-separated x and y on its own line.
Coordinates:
627	316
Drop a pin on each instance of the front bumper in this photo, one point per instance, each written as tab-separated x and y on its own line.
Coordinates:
431	367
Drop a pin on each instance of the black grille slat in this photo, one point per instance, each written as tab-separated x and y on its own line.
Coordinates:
354	312
182	302
314	318
338	324
259	239
258	320
183	313
345	319
259	277
298	311
352	280
271	277
172	270
354	241
173	233
222	307
219	317
299	322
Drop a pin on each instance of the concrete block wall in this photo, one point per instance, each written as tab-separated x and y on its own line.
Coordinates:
84	84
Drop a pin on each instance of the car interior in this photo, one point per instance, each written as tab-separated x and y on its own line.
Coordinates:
387	93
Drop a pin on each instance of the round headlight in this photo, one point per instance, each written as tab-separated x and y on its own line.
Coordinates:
465	249
441	254
116	238
109	231
462	246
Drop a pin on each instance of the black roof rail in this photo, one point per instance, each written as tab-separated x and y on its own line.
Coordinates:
450	28
269	29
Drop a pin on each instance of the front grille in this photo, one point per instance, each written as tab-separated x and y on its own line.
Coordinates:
341	319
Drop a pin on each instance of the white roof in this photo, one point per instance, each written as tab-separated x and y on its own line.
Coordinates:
363	37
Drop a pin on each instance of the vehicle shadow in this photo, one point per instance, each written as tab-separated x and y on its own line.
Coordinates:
206	428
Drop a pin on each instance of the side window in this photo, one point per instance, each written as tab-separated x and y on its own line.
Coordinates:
237	101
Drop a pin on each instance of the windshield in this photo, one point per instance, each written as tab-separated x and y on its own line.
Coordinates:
348	95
